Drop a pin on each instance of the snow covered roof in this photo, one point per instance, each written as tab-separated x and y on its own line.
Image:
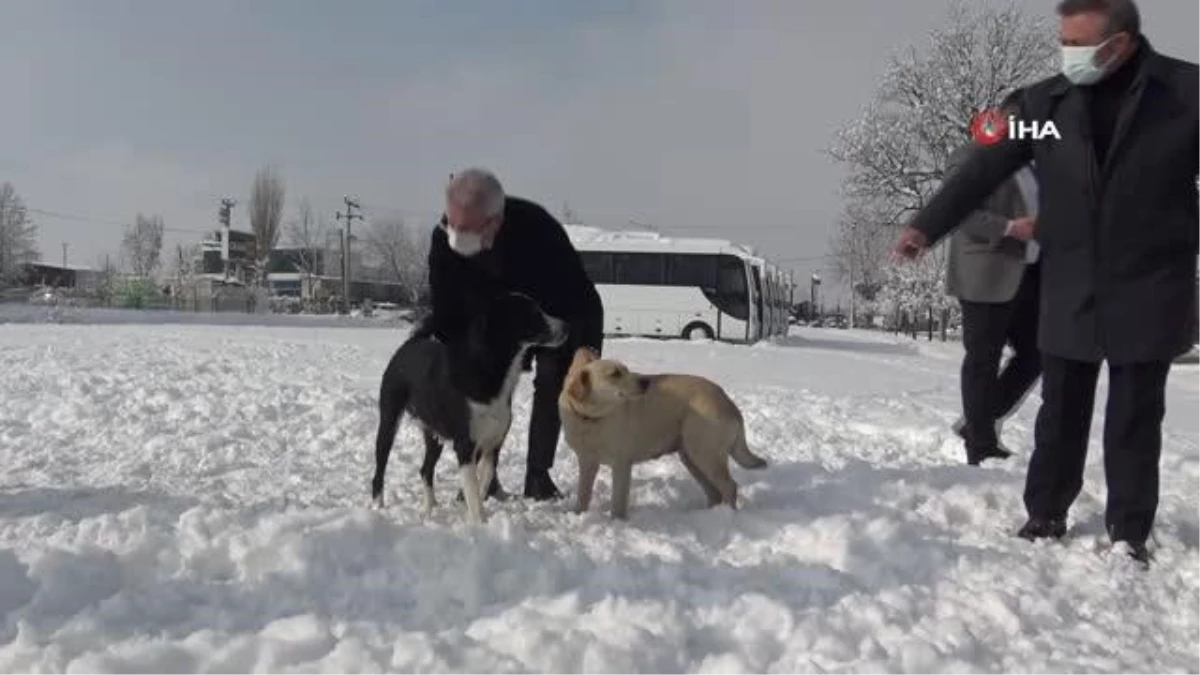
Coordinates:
60	266
587	238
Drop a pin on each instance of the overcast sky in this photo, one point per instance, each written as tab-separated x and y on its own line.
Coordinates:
697	116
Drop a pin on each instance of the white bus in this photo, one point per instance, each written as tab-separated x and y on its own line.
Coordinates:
692	288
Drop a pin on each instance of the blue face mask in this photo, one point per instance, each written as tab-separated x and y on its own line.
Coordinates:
1079	64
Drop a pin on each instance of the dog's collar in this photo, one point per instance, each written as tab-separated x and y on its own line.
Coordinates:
577	413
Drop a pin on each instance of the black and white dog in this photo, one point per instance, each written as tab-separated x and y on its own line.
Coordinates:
461	391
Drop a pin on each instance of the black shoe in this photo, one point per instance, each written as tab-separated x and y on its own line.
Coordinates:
540	487
1001	451
975	458
997	452
1137	551
494	492
1043	528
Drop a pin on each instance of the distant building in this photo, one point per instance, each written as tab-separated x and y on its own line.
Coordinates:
306	273
60	276
242	252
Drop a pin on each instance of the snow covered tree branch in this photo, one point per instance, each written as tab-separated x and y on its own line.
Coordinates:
142	245
266	212
18	236
896	150
309	234
401	253
859	245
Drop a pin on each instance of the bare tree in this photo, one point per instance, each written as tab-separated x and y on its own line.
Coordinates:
266	212
897	149
18	236
569	216
401	254
308	233
142	245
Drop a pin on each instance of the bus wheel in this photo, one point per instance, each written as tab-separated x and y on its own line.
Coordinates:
697	330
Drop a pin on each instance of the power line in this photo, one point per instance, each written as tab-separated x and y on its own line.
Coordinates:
606	218
433	216
404	211
104	221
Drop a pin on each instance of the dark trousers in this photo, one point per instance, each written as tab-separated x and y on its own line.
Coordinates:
1132	442
989	393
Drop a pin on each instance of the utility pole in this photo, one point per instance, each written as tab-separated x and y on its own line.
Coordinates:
349	217
64	255
814	281
852	293
226	206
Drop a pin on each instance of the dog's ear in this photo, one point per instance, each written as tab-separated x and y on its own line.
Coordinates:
582	357
580	385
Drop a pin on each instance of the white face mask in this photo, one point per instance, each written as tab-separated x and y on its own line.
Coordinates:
466	244
1079	66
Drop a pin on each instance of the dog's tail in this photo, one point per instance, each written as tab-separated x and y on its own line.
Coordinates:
392	400
743	456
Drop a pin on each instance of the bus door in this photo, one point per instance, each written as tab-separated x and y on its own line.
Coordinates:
757	320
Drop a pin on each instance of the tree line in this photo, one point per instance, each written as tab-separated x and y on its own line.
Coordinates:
390	249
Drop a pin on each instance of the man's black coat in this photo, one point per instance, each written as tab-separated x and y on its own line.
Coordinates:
1119	233
531	255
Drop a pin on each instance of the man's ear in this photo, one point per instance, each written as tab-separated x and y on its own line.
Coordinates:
580	385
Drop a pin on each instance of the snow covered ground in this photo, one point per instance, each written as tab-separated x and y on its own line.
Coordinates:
194	498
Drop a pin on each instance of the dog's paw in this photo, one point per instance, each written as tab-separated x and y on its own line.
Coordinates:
476	516
377	502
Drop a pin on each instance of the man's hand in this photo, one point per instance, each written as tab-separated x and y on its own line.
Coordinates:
1021	228
910	243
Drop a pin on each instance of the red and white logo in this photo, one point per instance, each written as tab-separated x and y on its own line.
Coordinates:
989	126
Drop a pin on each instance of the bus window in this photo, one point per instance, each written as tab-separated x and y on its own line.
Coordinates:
598	265
639	268
731	296
690	269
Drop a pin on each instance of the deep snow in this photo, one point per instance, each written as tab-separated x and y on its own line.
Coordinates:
194	498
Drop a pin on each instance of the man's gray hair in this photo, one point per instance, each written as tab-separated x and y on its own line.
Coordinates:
476	190
1122	15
